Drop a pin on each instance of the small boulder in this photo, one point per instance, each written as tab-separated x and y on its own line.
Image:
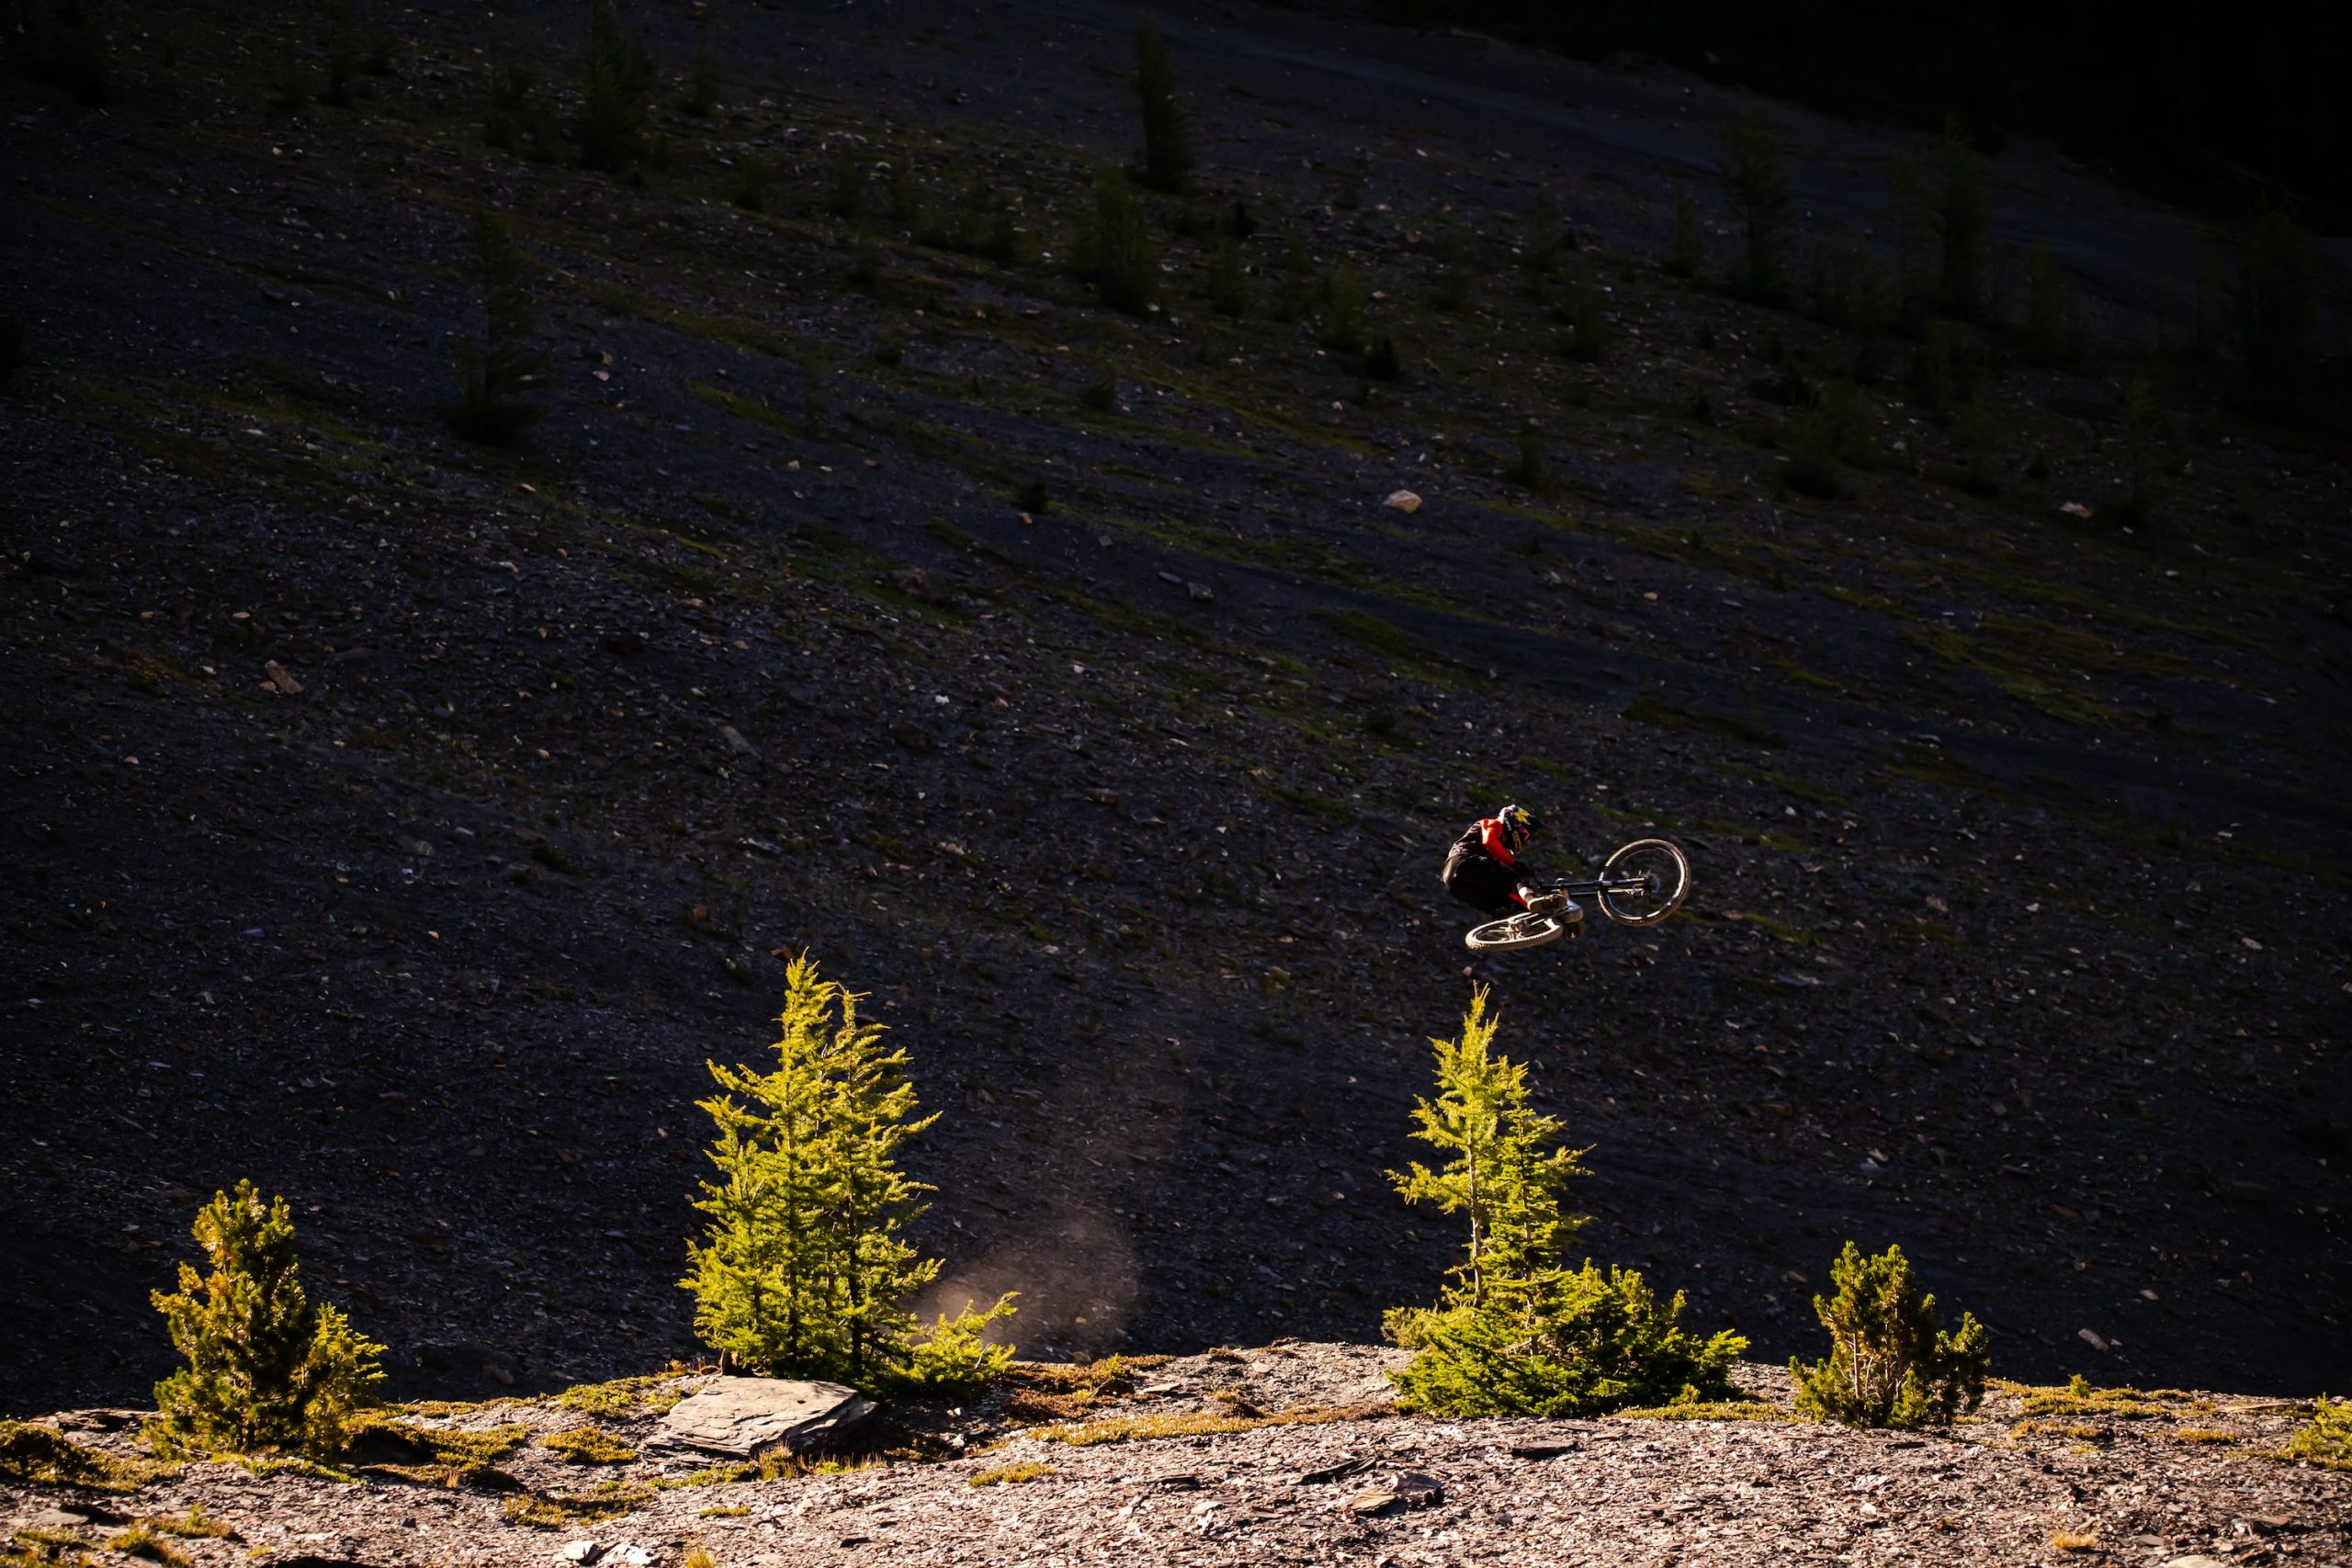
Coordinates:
745	1418
1403	501
916	583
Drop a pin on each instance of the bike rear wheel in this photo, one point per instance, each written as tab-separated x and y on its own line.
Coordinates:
1513	931
1663	877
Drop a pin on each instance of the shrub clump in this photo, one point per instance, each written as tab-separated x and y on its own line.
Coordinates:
491	406
2327	1441
269	1368
1756	188
611	127
1890	1362
805	1264
1518	1334
1688	253
1113	251
1166	146
2054	320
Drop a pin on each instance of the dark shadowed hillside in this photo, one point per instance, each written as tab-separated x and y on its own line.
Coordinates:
405	822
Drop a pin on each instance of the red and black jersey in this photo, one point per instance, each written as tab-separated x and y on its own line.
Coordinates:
1481	871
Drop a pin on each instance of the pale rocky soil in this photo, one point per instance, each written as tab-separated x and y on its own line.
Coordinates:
2156	1489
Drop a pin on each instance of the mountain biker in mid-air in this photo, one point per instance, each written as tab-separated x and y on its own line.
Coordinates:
1484	869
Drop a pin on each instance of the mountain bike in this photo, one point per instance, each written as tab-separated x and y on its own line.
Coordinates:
1639	884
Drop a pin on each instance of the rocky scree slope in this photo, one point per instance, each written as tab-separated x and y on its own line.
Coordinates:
1288	1453
403	824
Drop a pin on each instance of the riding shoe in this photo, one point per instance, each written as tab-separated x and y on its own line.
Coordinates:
1557	905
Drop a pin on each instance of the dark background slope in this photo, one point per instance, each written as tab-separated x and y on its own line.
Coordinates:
2019	936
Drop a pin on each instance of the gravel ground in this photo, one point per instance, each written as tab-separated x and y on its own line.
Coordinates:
2174	1477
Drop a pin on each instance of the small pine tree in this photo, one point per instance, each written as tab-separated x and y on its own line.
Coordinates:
62	44
1516	1333
1113	250
804	1267
702	92
269	1369
2053	321
2144	432
1229	279
1296	297
1505	1166
1688	254
1964	224
1842	286
1541	255
1890	1362
2277	297
1589	330
1756	188
611	127
1167	145
492	405
1339	312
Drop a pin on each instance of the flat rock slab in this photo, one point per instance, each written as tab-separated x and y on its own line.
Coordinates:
745	1418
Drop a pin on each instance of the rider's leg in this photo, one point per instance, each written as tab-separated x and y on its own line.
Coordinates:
1550	901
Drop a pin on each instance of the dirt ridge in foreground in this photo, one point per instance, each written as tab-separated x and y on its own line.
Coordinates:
1286	1453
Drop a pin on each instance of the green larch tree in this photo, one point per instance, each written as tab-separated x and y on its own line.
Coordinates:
268	1367
804	1267
1755	188
1167	145
1516	1332
1890	1362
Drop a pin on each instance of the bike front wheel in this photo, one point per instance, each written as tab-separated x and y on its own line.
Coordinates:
1644	883
1514	932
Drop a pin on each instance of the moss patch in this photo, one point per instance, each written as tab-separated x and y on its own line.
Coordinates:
39	1456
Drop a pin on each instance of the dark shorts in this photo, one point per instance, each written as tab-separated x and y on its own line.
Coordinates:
1487	886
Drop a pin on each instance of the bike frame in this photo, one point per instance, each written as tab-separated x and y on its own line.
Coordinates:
1593	887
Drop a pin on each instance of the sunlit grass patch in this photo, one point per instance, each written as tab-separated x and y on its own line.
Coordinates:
588	1445
1196	1424
1011	1474
1710	1410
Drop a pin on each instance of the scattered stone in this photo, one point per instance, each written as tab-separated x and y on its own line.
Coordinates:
1541	1451
1201	593
916	583
735	741
1407	1489
1403	501
1331	1472
2093	1339
279	681
745	1418
57	1520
